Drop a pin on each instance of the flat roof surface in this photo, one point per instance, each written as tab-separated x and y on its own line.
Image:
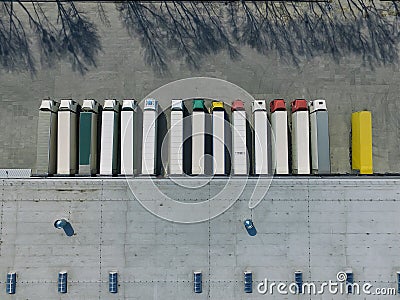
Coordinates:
316	225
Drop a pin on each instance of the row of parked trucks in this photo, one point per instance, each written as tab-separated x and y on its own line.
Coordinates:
90	139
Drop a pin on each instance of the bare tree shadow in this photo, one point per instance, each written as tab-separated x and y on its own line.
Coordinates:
296	31
299	31
73	37
15	52
188	30
193	31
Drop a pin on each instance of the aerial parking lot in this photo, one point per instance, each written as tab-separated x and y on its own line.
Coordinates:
198	150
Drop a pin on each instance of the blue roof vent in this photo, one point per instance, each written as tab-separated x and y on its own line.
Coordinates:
11	282
249	225
349	281
65	225
198	282
113	282
248	282
62	282
298	279
398	282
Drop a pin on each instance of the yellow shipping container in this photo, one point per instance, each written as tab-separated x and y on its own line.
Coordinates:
361	129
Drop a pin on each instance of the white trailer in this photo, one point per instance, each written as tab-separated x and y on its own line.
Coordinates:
218	129
176	138
320	152
300	137
88	141
109	138
128	136
279	124
67	163
260	123
149	145
240	157
198	137
46	155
